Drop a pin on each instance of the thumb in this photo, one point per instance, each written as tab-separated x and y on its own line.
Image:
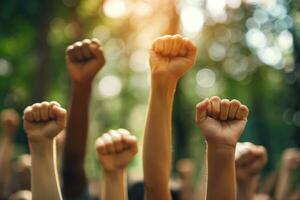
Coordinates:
201	110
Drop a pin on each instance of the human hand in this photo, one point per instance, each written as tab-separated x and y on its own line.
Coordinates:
43	121
291	159
10	121
116	149
171	56
84	59
249	160
221	121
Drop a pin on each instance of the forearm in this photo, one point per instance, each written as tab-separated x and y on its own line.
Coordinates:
283	184
76	138
115	185
158	141
44	177
221	173
201	193
247	190
6	150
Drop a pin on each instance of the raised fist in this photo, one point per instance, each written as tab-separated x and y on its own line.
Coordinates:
249	160
171	56
116	149
10	121
221	121
43	121
291	158
84	60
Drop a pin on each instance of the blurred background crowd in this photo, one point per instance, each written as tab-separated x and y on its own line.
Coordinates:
247	49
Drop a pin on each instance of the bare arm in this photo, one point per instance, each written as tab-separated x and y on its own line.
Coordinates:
249	161
115	150
10	122
171	57
42	122
84	60
290	162
221	122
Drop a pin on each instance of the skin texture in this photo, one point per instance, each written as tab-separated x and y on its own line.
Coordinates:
10	121
84	59
221	122
42	123
249	161
115	150
290	162
170	58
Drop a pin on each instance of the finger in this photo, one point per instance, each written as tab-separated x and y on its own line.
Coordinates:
45	111
87	54
78	52
117	140
51	114
225	104
108	143
28	114
70	53
242	112
176	45
167	45
100	146
123	132
191	48
36	112
131	141
234	106
201	110
97	51
60	115
215	106
183	50
96	42
158	45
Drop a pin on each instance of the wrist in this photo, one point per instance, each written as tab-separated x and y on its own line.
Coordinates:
220	147
163	86
41	148
114	174
81	85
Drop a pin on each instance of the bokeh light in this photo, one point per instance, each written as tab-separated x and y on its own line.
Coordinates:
206	78
109	86
115	8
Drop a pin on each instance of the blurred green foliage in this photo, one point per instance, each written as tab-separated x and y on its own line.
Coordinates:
251	53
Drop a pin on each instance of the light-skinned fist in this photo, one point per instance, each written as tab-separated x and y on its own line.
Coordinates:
10	121
171	56
249	160
116	149
84	59
43	121
291	159
221	121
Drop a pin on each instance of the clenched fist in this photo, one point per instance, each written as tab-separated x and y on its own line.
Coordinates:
249	160
43	121
221	121
291	159
116	149
171	56
10	120
84	60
